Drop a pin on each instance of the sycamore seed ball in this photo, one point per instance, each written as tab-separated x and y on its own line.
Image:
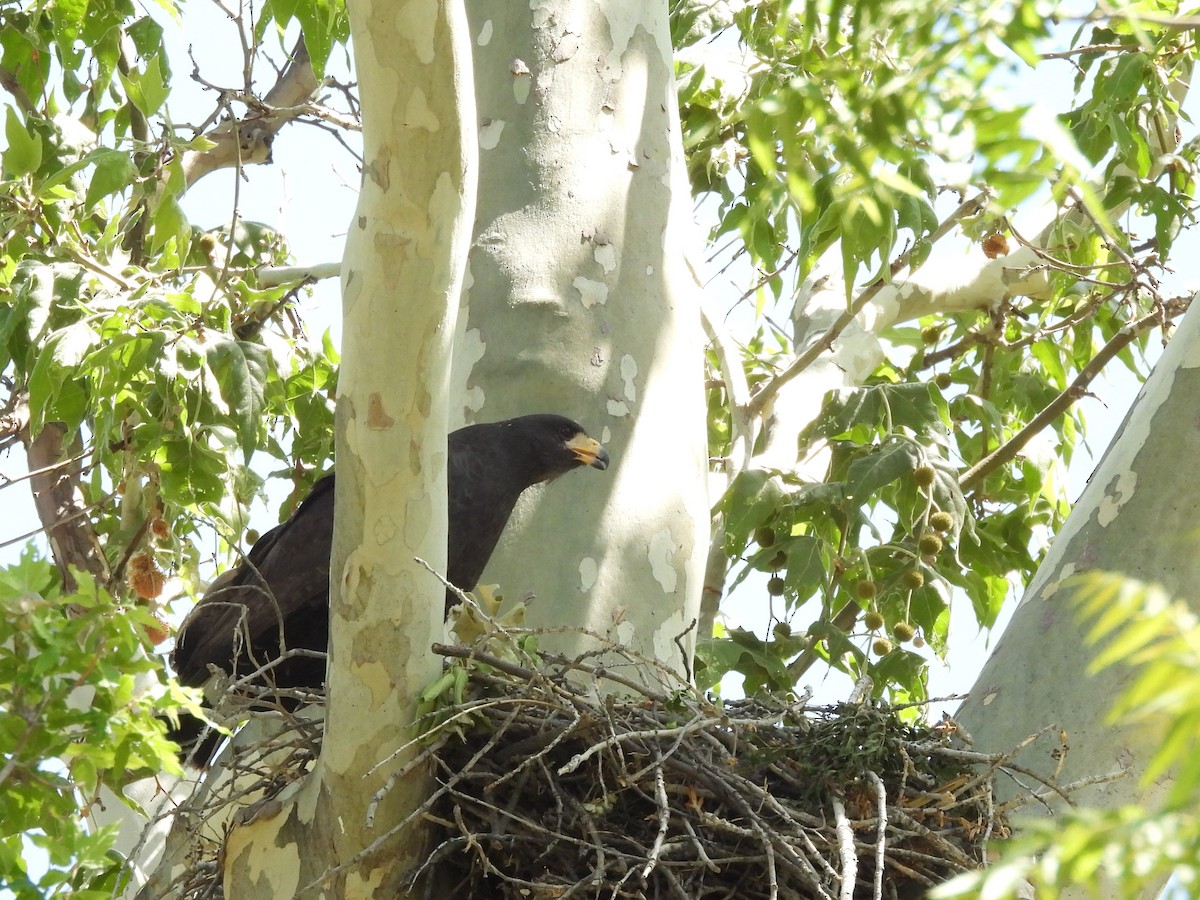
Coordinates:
881	646
923	476
764	536
145	577
158	632
913	579
903	632
929	544
941	521
775	586
873	620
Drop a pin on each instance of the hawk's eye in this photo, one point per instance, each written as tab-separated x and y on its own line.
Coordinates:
566	432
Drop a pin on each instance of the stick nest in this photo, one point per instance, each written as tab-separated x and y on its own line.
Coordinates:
574	779
607	776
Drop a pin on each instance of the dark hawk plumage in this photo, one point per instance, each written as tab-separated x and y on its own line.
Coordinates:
279	595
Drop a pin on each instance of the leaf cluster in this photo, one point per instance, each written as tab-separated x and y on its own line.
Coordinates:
824	129
152	343
147	337
79	700
832	560
828	138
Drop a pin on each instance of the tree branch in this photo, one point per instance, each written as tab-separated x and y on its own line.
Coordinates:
248	140
825	342
274	276
1008	451
60	505
9	480
741	451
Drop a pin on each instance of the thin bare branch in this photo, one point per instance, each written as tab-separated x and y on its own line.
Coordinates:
1008	451
825	342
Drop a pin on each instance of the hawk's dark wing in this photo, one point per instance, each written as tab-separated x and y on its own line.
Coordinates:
277	599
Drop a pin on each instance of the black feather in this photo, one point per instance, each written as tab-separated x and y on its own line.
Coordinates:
278	597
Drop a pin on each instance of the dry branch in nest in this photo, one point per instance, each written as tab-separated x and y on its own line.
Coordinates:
555	781
607	776
272	752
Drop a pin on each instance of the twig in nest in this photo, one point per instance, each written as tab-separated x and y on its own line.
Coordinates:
845	839
881	843
555	786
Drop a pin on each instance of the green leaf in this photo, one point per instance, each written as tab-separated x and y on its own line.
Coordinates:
838	646
169	223
759	662
67	17
147	35
55	391
324	23
113	171
901	667
879	467
191	473
24	153
988	594
805	563
928	605
148	88
241	370
750	501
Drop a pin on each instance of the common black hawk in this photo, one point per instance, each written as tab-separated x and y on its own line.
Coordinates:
280	591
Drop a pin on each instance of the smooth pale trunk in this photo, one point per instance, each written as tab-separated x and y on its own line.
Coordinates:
401	278
579	301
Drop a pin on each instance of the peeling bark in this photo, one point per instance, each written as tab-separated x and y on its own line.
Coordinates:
401	280
579	301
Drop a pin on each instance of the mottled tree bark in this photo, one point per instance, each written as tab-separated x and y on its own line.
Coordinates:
579	301
401	279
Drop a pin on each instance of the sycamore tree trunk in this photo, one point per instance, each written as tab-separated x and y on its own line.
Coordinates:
1137	517
578	301
401	279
